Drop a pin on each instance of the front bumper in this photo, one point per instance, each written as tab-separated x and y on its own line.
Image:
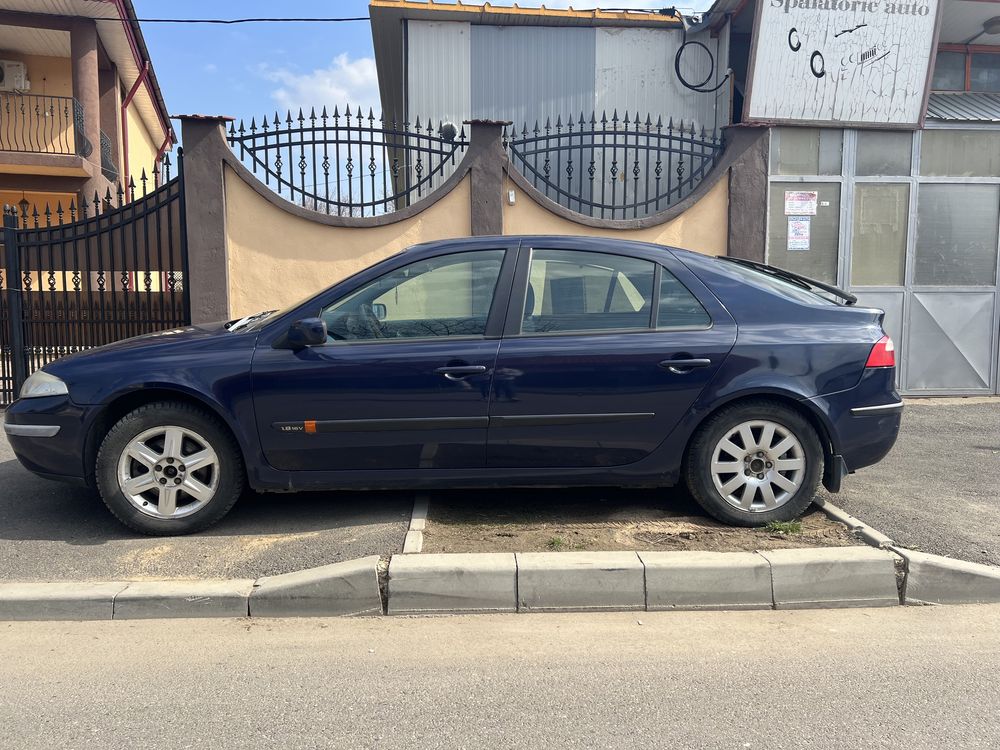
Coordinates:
48	436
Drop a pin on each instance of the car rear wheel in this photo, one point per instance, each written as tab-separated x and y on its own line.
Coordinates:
169	468
754	463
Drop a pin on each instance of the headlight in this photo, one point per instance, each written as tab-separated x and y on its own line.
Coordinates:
40	384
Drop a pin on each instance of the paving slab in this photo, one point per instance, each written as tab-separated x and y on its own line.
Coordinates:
933	579
347	588
580	581
832	577
707	580
58	601
143	600
469	582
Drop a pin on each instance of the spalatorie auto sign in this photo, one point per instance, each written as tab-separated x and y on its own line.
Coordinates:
841	61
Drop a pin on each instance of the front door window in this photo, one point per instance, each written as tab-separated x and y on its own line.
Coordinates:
449	295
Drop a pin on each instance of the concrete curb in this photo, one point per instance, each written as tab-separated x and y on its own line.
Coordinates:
450	583
413	542
531	582
933	579
345	588
858	527
813	578
707	580
579	581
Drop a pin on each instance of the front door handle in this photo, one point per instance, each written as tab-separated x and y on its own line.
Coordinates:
460	371
681	366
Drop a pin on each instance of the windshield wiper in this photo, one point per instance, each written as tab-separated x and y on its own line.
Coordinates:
794	278
244	322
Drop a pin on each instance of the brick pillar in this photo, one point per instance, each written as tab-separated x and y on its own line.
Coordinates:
205	147
86	91
488	162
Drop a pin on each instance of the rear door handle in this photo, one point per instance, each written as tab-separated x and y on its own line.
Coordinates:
461	371
681	366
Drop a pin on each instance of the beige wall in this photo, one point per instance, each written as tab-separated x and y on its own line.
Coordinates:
141	150
704	227
49	76
277	258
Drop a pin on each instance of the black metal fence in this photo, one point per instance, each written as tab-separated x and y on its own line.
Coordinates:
614	168
116	269
348	164
42	124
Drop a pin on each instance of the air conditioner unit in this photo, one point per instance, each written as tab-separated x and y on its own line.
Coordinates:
13	76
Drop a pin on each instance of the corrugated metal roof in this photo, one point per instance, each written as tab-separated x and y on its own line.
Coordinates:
516	15
965	107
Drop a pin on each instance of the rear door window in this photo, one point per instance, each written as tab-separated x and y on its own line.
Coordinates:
571	290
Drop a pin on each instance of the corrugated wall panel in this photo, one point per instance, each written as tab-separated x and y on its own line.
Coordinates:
635	72
437	71
528	73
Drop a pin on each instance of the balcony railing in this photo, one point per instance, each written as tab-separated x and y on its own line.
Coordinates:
42	125
108	166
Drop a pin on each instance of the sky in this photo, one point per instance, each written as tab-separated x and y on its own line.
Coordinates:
248	69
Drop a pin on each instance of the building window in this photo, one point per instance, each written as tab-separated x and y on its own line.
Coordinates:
964	68
949	72
878	254
883	152
957	234
960	153
984	72
806	151
804	228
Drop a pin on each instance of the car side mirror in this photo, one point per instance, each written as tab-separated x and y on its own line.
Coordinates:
303	333
379	311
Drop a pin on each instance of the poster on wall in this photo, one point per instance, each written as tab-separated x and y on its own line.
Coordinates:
798	232
851	62
801	202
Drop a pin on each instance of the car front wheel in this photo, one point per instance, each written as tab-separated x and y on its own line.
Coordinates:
754	463
169	468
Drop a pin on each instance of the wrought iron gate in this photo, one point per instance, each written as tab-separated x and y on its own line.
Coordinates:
110	273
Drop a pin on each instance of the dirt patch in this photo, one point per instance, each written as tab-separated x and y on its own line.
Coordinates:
609	519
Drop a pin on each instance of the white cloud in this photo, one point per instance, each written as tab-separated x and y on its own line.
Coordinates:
345	81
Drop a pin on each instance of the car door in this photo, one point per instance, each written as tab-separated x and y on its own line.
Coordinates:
403	381
603	354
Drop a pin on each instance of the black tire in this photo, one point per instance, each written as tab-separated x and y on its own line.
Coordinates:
698	464
228	483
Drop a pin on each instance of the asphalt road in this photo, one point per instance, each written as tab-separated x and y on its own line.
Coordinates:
51	531
911	678
939	489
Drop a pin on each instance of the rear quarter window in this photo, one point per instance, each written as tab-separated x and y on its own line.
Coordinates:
776	285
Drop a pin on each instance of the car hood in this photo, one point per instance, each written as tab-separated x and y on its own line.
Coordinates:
145	344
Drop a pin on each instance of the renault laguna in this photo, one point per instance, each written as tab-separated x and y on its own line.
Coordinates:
484	362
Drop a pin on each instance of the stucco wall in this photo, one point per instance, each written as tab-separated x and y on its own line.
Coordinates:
141	149
702	227
277	258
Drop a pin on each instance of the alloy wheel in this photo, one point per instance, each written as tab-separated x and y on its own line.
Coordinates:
168	472
758	466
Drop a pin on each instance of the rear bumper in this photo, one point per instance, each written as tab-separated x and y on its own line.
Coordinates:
864	422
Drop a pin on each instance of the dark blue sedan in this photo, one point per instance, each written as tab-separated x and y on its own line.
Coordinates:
485	362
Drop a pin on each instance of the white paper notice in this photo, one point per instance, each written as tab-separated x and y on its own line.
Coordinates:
798	232
801	202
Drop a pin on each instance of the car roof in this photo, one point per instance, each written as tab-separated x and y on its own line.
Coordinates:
584	243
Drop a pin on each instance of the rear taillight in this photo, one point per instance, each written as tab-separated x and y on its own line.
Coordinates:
883	354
